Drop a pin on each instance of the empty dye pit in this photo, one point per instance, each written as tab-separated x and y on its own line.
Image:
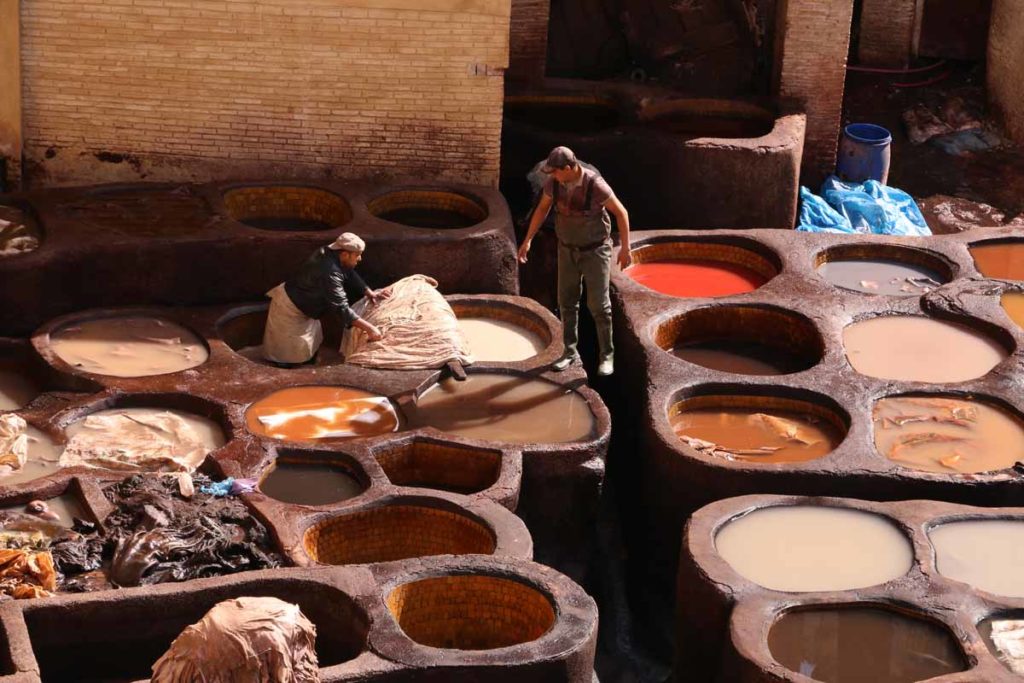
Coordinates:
765	435
470	612
141	440
857	644
492	340
306	483
287	208
1001	260
928	350
504	408
430	209
987	554
881	276
321	412
696	277
128	347
807	548
445	467
949	435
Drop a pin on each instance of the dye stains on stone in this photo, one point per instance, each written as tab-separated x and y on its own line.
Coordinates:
17	389
321	412
1004	638
492	340
504	408
1002	260
1013	304
129	347
987	554
141	440
857	644
756	435
881	276
738	357
808	548
305	483
696	277
949	435
914	348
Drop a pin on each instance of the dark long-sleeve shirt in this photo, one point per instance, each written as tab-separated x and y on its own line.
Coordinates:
323	283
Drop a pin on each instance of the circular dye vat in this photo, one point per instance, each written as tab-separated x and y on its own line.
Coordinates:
881	276
471	612
16	388
304	483
914	348
321	412
1003	636
739	357
129	347
1013	304
42	460
287	208
949	435
762	435
492	340
696	277
141	440
505	408
431	209
860	644
802	548
987	554
1002	260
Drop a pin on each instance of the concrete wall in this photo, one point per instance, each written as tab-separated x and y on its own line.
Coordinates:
1006	65
810	67
528	40
887	32
119	90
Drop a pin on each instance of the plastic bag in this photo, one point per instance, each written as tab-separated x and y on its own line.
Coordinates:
817	216
875	208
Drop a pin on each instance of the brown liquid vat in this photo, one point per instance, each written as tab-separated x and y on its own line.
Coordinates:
724	621
790	342
107	246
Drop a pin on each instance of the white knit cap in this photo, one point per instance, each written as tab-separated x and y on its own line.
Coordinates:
348	241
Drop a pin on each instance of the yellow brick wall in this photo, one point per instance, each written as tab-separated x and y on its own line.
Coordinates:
196	89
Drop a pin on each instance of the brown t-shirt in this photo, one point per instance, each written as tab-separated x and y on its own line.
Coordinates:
571	198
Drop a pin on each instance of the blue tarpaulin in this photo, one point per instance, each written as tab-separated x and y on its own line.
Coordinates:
866	208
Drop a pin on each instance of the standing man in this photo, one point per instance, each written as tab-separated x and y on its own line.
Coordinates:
327	278
582	200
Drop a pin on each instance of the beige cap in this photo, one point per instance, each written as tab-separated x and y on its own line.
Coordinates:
348	241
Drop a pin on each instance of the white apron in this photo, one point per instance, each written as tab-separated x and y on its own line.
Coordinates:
290	336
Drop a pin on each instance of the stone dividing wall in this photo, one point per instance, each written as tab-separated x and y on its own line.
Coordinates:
887	32
119	90
1006	64
528	40
810	67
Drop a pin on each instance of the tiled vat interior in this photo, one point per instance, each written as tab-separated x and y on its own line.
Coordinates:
428	208
447	612
442	466
396	532
314	208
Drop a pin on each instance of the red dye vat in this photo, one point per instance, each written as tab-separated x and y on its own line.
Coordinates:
696	278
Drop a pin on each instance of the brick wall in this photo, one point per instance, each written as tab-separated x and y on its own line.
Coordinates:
1006	64
887	32
528	40
811	50
201	89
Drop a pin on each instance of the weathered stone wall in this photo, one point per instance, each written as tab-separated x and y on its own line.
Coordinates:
1006	64
811	50
887	32
528	39
197	89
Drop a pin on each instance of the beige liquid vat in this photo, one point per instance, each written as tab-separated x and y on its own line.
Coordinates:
809	548
914	348
129	347
493	340
987	554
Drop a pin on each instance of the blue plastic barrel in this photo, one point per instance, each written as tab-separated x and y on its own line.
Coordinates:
864	153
